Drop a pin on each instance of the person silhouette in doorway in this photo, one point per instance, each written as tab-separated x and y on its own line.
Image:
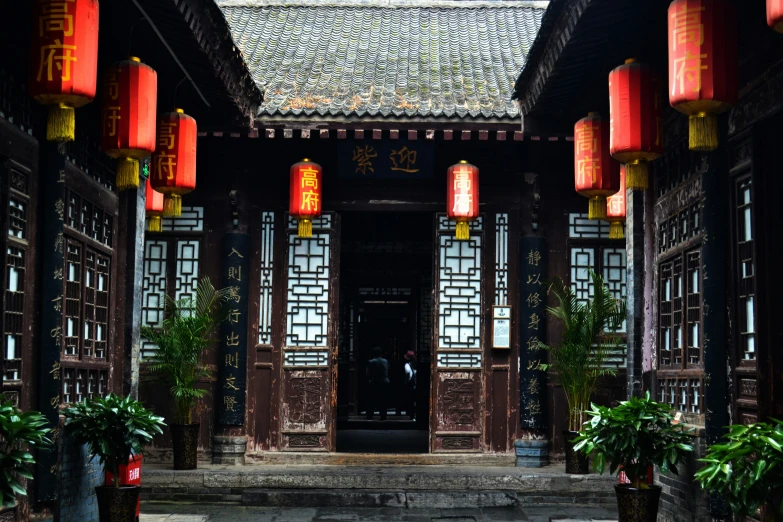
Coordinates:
410	384
378	379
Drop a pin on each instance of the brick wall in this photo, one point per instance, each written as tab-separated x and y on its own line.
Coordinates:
682	500
77	481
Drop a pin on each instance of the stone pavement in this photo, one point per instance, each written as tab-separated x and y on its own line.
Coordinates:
185	512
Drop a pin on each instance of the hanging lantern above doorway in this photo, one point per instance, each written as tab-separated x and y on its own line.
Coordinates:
64	61
615	208
775	15
154	208
635	133
462	200
130	102
305	195
596	173
703	66
174	161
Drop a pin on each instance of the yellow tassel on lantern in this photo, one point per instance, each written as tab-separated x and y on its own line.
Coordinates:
597	208
127	173
172	205
305	227
463	231
155	224
703	131
61	123
616	230
637	175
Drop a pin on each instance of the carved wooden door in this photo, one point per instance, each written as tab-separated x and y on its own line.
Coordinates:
457	376
309	381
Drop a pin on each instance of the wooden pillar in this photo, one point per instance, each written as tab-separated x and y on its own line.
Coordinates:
132	223
636	259
52	248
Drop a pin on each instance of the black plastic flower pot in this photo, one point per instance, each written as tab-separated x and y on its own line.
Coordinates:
117	504
184	439
637	505
577	463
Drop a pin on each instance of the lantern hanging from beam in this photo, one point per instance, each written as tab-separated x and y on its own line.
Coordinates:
462	200
174	161
702	65
305	195
635	136
130	102
775	15
615	208
596	174
154	208
64	61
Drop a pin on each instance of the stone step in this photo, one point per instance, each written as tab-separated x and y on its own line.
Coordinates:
373	498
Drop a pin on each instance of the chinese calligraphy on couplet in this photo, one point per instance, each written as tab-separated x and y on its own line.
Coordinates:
533	305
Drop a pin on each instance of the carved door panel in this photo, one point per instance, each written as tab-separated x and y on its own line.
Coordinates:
309	382
457	376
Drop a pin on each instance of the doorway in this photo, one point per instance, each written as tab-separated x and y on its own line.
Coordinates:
386	264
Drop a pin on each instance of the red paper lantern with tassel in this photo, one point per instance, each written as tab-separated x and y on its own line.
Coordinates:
64	61
615	208
130	102
462	200
703	66
636	134
775	15
305	195
596	174
154	208
174	161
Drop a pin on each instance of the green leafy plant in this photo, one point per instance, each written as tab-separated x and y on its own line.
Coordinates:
186	333
589	338
635	434
747	469
113	429
18	432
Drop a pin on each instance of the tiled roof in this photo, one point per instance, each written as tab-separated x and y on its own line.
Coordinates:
442	60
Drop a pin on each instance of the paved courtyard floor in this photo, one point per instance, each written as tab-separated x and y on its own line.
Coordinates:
182	512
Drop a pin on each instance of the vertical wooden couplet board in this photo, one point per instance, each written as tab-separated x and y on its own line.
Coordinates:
309	383
532	299
457	373
233	331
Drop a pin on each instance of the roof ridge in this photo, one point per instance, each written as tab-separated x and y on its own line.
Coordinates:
392	4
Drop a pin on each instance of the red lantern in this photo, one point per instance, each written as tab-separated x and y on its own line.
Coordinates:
64	61
305	196
596	174
615	208
636	135
154	208
174	161
462	200
130	101
775	15
702	65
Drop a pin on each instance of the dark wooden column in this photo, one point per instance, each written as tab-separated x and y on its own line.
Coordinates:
634	244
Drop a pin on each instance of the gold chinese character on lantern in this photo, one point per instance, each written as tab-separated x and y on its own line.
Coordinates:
166	134
51	60
310	178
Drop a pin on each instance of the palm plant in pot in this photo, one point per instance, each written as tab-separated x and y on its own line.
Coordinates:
114	429
20	432
633	436
747	470
579	359
183	338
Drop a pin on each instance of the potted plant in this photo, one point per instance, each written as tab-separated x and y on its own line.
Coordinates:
19	431
747	470
633	436
114	429
579	359
186	333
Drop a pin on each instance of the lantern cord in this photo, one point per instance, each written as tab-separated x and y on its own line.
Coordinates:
130	34
171	52
597	208
177	89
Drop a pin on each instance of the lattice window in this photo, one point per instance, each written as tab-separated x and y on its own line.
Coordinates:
579	227
683	394
459	360
83	383
191	220
680	228
679	312
501	259
266	262
89	219
746	271
307	302
459	292
17	218
13	314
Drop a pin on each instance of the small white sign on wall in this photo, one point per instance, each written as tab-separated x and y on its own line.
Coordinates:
501	327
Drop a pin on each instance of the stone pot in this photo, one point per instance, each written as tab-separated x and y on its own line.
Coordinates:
637	505
577	463
184	439
531	453
8	514
117	504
